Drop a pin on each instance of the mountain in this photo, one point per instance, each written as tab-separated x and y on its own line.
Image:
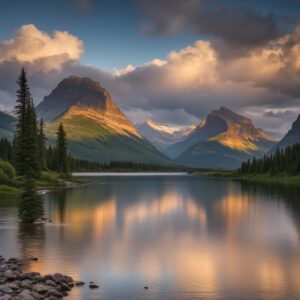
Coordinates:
7	125
162	136
224	140
291	138
96	128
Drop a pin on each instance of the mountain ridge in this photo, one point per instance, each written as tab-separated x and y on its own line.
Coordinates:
161	135
228	129
96	127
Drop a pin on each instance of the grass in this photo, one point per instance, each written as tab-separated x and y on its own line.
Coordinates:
48	179
9	190
281	178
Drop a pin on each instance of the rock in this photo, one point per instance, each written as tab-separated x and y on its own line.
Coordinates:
79	283
36	296
26	284
48	276
53	292
57	277
65	287
7	290
25	295
13	285
33	258
145	287
50	282
93	286
68	278
10	275
6	297
41	288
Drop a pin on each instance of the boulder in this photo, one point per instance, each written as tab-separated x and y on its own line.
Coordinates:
25	295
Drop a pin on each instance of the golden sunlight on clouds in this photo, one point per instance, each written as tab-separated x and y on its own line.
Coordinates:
30	44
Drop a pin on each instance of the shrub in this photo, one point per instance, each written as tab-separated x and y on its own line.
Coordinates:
7	172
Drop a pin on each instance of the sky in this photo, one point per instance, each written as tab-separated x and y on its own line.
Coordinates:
170	60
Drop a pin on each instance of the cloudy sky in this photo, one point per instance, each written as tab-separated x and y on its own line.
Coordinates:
171	60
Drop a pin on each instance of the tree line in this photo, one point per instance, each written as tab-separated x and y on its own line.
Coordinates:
28	153
283	160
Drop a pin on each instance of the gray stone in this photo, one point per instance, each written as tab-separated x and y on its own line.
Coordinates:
10	275
65	287
12	285
41	288
93	286
50	282
25	295
79	283
57	277
53	292
36	295
6	297
26	284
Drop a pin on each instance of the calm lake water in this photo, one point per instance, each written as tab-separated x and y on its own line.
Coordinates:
183	236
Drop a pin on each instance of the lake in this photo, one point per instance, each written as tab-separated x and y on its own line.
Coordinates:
183	236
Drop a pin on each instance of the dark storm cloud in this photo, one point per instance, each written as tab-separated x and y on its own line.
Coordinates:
236	25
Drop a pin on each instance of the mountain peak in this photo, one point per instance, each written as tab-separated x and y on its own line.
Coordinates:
82	81
75	91
161	127
231	117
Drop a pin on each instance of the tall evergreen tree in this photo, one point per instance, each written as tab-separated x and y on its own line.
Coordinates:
42	140
62	151
33	167
20	141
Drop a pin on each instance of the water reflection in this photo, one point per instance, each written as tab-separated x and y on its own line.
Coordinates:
186	237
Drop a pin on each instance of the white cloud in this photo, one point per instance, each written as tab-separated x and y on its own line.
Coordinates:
190	82
29	44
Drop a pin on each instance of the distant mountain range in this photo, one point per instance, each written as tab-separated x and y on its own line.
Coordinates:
162	136
98	130
224	140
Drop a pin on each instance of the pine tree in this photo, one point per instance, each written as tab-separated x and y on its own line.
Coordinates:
42	140
26	138
33	168
20	141
30	206
62	151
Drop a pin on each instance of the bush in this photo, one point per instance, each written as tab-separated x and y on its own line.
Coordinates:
7	172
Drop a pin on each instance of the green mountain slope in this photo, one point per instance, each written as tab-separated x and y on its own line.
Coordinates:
223	141
96	127
91	139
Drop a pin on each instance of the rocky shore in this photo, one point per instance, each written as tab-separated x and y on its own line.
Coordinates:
15	284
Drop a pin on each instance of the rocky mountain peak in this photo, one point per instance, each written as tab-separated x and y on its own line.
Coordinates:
230	116
74	91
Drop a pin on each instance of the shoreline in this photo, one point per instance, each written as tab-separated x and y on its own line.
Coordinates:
17	284
7	190
267	178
